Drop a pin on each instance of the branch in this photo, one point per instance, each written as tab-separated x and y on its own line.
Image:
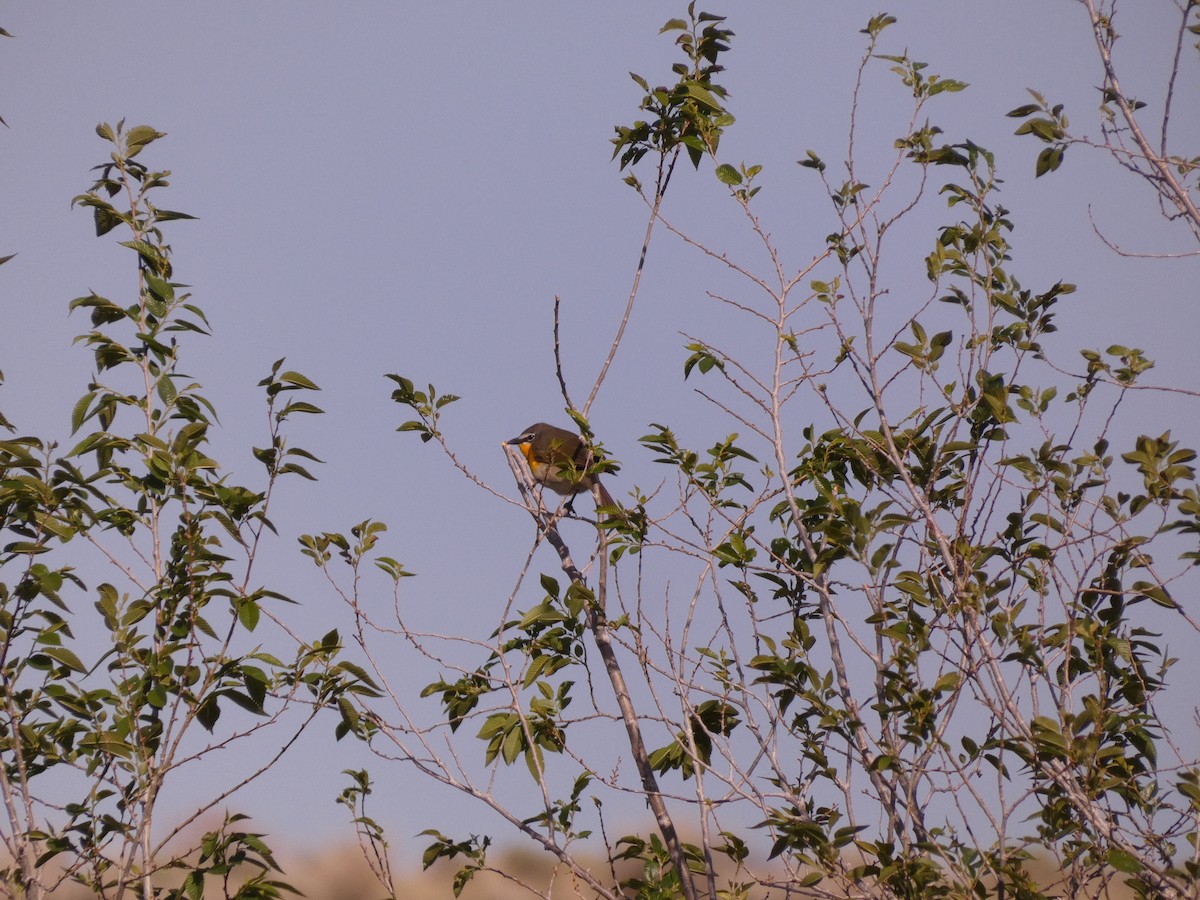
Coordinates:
1161	176
598	625
659	193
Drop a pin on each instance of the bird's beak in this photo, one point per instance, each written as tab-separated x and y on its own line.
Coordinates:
512	442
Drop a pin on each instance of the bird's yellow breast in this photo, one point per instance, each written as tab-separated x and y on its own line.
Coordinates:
527	450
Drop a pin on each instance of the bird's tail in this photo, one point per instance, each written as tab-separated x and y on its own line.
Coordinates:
606	499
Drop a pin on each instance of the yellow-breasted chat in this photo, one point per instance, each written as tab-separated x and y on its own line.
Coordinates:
559	459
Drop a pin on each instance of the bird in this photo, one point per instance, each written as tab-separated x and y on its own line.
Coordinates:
560	460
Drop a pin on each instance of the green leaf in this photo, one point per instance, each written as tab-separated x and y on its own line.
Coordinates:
245	702
727	174
80	412
1048	160
208	712
106	219
812	161
1124	862
166	390
514	743
139	136
1156	593
358	672
947	682
299	380
878	23
296	469
66	657
160	288
1189	786
703	95
947	85
248	614
299	406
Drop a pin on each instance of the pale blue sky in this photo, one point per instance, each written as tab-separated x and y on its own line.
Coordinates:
388	187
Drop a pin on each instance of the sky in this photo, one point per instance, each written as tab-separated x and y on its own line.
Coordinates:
395	187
